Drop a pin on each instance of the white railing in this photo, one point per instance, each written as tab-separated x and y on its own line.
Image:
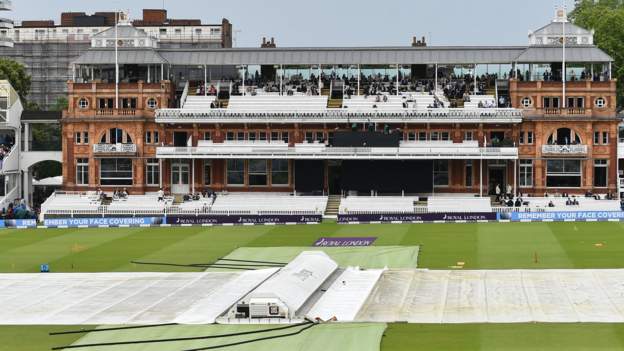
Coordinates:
51	36
184	94
320	151
103	211
564	149
10	160
327	113
9	197
114	148
415	210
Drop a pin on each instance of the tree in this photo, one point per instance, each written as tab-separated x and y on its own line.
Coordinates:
16	74
47	169
606	18
60	104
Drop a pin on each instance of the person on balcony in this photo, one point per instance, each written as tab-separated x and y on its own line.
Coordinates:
161	195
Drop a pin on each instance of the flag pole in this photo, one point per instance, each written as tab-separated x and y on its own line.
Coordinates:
563	65
116	62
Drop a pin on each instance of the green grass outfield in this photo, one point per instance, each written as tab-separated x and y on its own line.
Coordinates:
480	246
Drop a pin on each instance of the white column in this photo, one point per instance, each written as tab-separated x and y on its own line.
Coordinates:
610	74
28	192
591	69
74	73
496	91
205	80
281	79
192	176
397	80
162	72
26	136
148	74
435	88
474	74
358	79
160	173
515	186
319	79
563	67
244	74
481	176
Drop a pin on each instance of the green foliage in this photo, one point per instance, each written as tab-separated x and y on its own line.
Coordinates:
606	17
45	137
60	104
16	74
47	169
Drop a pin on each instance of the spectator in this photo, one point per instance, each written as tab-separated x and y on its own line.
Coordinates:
161	195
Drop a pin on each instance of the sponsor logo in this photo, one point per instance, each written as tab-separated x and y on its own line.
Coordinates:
400	218
12	223
243	219
571	215
92	222
344	242
424	217
303	275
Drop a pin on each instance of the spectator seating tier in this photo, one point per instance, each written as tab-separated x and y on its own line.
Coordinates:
458	204
277	103
198	102
377	204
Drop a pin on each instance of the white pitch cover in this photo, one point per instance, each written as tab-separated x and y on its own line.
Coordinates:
395	295
212	306
346	295
497	296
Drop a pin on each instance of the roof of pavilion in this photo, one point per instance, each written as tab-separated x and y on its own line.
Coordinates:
455	55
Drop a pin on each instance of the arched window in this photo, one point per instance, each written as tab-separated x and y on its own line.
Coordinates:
116	136
564	136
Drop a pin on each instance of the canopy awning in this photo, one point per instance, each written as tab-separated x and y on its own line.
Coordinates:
125	56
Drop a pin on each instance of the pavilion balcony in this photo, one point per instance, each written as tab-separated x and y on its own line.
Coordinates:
307	151
115	112
571	111
564	150
328	115
114	149
97	86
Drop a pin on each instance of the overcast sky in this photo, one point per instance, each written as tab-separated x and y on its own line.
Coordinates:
337	22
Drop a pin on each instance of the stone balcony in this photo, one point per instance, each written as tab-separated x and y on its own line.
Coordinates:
114	149
564	150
